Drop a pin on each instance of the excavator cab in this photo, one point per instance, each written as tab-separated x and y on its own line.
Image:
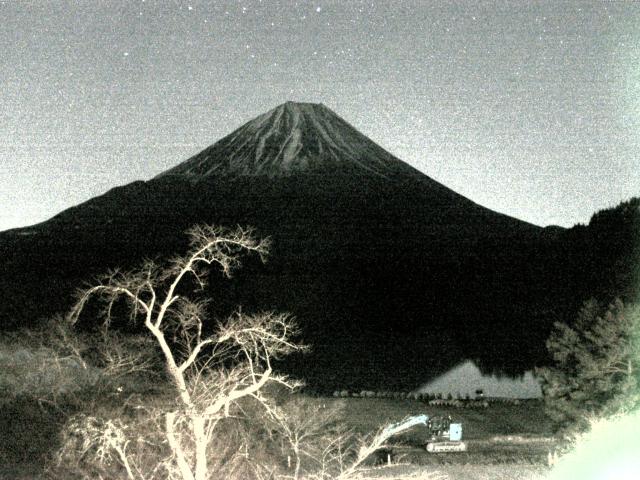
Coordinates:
445	436
439	426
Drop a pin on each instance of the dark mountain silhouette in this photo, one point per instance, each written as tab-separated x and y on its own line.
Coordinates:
392	276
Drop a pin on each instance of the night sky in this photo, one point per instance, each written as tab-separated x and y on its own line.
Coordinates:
529	108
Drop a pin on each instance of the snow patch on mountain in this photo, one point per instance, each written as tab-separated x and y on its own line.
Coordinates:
291	138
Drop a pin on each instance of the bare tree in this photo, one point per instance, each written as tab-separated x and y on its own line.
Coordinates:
306	428
373	443
211	369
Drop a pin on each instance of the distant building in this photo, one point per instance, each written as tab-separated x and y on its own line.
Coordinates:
466	379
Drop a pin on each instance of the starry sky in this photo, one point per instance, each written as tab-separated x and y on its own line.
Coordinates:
529	108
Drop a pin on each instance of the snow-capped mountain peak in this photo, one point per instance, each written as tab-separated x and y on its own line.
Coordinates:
289	139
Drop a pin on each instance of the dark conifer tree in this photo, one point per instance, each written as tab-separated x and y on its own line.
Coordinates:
596	370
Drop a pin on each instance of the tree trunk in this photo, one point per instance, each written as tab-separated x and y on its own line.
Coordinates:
176	448
201	447
296	473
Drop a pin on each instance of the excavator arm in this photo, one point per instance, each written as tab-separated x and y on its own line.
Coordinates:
406	424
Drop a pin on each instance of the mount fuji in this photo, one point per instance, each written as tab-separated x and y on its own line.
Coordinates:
392	276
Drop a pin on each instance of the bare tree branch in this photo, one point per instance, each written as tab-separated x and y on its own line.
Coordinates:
211	374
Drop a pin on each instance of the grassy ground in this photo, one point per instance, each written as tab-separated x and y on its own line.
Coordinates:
502	440
505	442
500	433
528	418
458	472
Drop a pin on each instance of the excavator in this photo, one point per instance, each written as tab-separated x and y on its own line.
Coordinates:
444	435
